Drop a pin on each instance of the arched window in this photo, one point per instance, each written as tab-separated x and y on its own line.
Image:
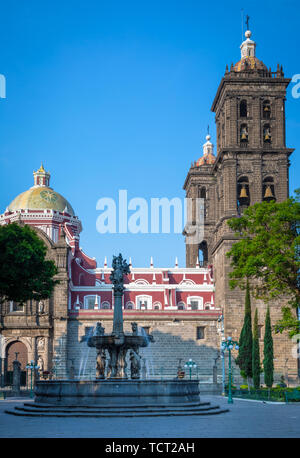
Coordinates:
129	305
181	306
243	109
105	305
243	194
244	133
267	137
157	305
266	110
268	189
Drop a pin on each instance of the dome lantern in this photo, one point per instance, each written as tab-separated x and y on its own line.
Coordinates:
41	177
208	157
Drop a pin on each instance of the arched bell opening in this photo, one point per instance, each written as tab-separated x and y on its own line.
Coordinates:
243	194
244	135
243	109
267	136
266	109
268	189
203	253
202	195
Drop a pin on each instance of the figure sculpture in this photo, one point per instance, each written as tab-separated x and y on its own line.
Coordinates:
135	364
99	329
100	366
134	328
120	268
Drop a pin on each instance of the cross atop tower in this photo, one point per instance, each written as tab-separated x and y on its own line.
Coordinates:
247	21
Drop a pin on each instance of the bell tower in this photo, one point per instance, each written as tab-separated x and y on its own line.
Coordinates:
252	158
251	165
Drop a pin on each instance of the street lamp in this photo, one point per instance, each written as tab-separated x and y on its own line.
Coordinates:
229	344
221	331
190	364
32	367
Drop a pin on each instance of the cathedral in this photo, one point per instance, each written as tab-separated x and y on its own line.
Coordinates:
188	310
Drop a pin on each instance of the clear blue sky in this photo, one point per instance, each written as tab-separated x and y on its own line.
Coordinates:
116	95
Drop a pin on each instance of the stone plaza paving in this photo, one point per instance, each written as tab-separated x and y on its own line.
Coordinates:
246	419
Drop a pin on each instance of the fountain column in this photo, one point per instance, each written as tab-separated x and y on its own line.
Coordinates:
118	329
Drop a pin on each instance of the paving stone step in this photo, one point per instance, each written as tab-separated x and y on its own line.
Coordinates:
214	410
116	411
116	408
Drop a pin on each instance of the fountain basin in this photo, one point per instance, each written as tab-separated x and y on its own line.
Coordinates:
110	340
117	392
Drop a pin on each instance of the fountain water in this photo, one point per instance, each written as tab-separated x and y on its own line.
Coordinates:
112	393
147	358
85	351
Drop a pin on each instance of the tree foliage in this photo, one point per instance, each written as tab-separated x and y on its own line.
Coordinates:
256	369
267	253
24	272
268	352
244	358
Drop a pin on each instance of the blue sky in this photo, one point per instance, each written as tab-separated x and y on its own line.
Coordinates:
117	95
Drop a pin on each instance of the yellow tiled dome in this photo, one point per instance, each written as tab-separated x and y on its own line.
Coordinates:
41	196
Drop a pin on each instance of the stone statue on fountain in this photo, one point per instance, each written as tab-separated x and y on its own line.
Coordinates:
120	268
100	365
135	364
99	331
134	328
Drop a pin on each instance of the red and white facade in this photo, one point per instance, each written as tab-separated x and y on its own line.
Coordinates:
150	291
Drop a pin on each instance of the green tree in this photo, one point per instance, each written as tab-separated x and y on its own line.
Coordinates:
244	358
267	254
256	369
24	272
268	352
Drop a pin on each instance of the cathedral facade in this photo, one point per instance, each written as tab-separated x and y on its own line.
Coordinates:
188	310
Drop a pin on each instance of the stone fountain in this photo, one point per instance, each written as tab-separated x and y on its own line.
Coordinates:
118	344
113	393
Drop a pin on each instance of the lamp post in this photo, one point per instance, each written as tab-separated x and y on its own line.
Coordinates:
190	364
221	331
229	344
32	367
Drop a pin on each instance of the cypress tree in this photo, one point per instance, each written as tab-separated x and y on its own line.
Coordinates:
268	352
244	359
255	354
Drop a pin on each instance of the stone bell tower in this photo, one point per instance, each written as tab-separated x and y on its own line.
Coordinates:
251	165
252	157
